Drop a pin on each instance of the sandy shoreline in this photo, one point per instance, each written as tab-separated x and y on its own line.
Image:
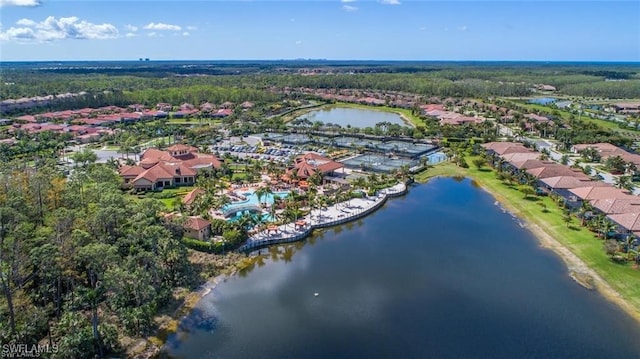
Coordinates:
576	268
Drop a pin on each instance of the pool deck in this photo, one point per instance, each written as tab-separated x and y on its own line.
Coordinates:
320	218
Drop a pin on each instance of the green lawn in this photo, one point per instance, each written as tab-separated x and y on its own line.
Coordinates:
583	243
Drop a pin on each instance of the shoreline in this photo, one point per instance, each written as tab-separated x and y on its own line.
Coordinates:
576	268
302	111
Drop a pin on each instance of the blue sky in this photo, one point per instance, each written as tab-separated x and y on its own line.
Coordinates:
328	29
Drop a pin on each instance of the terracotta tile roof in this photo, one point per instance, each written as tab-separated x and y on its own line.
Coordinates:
566	182
164	170
520	156
530	164
196	223
503	148
179	147
627	220
555	170
618	205
309	163
191	196
589	193
203	160
127	171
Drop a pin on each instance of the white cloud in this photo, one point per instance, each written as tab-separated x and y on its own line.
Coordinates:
29	3
155	34
299	42
131	28
26	22
191	28
186	33
349	8
19	34
463	28
52	29
390	2
130	34
348	1
162	27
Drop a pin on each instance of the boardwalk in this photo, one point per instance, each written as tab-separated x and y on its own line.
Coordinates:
320	218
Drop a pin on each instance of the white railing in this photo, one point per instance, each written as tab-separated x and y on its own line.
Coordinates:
386	193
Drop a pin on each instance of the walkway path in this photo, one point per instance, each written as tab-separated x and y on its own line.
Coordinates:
320	218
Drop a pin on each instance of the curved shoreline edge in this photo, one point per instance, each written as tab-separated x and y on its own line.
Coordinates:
265	238
577	269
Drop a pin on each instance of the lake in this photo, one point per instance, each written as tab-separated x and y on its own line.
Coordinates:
352	116
442	272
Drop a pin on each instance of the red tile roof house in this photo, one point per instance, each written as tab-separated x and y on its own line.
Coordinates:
562	184
158	169
530	164
194	226
504	148
604	149
520	156
617	205
628	221
596	193
197	228
555	170
310	163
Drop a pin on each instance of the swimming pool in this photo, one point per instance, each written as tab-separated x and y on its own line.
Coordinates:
264	217
252	200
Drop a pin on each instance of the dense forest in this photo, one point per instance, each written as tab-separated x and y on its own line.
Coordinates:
80	263
440	79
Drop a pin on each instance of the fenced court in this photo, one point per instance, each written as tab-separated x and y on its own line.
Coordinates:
378	163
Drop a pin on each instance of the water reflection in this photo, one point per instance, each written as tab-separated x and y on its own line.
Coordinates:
442	272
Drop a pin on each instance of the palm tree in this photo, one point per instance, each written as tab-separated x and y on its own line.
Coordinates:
263	192
359	183
585	208
624	182
605	227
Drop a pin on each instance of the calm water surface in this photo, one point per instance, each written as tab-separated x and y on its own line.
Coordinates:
440	273
352	116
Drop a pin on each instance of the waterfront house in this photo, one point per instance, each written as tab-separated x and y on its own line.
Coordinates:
600	192
617	205
555	170
197	228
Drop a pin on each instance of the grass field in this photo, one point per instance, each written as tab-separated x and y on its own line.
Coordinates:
584	244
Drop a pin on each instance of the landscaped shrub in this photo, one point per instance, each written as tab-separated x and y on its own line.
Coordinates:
161	195
203	246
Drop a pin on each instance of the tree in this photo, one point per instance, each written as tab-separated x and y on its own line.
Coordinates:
84	157
527	191
567	218
615	164
624	182
479	162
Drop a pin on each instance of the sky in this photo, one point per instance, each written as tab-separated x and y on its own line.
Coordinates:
423	30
